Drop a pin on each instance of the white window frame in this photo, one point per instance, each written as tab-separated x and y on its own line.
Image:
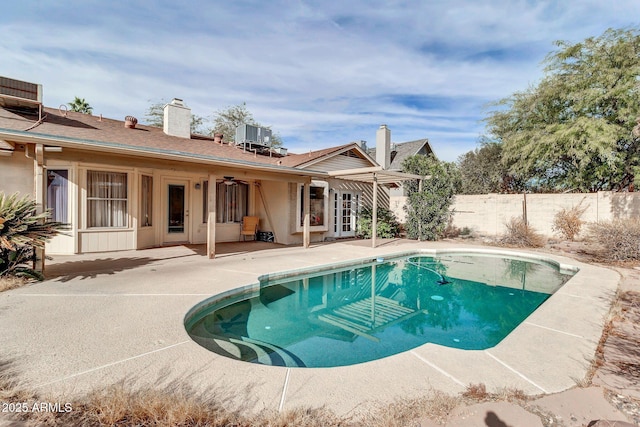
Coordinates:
149	203
88	199
325	207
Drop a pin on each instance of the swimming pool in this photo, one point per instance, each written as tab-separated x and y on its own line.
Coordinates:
375	308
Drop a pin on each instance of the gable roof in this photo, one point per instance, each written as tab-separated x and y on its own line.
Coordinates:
403	150
305	160
96	133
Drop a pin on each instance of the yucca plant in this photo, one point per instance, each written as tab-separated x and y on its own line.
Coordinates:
22	230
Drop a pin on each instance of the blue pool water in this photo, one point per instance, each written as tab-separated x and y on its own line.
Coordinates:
369	311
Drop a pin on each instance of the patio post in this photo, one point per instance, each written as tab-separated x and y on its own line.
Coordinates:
420	222
306	236
211	217
40	190
374	219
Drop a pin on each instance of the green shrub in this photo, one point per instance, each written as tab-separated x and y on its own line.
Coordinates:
387	224
620	238
22	230
428	210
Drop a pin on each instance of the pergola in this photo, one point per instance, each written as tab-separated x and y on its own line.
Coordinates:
377	176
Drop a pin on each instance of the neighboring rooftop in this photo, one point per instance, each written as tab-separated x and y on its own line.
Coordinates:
402	150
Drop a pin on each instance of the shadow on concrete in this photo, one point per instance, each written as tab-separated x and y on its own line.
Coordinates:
86	266
492	420
91	268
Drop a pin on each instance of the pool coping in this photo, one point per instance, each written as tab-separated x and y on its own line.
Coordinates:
571	345
549	352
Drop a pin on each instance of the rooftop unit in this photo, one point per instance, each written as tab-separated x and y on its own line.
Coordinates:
20	94
253	134
254	138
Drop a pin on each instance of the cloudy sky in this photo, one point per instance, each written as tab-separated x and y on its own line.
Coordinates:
320	73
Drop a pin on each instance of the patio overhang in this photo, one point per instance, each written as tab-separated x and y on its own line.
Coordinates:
376	175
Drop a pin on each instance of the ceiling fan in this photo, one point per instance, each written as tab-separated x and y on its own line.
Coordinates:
228	180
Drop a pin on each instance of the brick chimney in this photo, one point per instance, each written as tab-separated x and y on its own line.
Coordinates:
383	146
177	119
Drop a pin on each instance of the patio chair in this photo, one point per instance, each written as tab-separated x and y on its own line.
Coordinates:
249	227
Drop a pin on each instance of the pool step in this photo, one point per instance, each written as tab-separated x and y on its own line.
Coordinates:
269	354
365	316
247	349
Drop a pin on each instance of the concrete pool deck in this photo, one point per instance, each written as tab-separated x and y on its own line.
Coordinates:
105	318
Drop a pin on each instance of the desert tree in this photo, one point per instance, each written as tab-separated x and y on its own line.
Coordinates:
573	130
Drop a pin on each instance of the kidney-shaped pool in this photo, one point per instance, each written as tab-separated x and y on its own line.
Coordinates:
370	310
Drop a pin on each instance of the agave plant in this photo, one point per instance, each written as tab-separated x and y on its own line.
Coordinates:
22	230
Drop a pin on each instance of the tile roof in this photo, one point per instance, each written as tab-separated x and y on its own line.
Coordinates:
404	150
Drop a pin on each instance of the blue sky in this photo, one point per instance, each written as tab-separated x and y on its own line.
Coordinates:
320	73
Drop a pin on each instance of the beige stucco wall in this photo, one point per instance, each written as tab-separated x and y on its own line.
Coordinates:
488	214
16	173
276	197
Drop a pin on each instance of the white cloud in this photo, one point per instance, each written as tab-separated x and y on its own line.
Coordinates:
320	73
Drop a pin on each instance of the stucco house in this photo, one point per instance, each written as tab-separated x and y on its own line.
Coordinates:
120	185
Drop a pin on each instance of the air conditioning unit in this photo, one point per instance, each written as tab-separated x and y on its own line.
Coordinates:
17	92
253	135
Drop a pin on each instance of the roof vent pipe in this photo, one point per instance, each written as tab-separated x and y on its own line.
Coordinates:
130	122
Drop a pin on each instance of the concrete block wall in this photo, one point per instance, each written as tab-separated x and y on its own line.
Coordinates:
487	214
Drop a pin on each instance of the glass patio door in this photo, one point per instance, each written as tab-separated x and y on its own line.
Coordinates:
348	210
177	212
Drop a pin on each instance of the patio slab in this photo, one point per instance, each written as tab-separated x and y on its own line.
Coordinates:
105	318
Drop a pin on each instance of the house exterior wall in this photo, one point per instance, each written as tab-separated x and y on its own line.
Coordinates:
339	162
16	173
396	205
277	198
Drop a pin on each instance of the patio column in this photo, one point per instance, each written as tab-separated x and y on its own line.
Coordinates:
374	219
420	222
211	217
306	235
40	195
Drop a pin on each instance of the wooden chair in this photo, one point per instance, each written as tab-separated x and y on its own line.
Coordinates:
249	227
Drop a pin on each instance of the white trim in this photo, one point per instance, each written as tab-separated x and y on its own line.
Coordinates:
327	212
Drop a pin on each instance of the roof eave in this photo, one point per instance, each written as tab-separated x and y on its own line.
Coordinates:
107	147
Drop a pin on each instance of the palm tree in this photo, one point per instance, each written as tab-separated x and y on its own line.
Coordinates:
22	230
80	105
